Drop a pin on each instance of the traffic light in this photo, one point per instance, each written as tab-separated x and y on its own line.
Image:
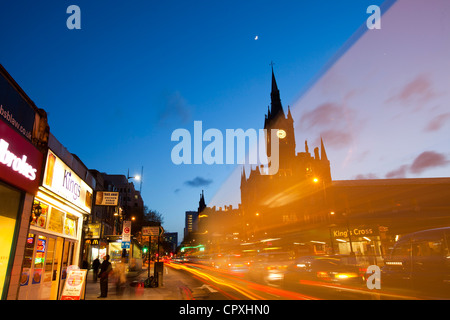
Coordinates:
144	250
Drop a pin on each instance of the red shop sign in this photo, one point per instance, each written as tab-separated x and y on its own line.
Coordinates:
20	161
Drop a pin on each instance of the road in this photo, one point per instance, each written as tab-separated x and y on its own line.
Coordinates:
220	284
223	284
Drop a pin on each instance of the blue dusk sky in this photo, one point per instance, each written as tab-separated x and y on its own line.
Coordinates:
116	89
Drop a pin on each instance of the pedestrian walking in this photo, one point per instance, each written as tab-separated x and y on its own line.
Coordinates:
105	269
95	266
120	274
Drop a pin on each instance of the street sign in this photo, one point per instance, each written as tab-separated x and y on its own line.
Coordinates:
125	244
152	231
126	231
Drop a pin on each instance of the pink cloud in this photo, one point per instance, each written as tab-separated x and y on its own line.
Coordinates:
327	114
425	160
428	159
366	176
438	122
398	173
335	138
417	91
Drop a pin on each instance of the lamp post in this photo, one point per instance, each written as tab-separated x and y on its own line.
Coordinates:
352	254
137	177
330	213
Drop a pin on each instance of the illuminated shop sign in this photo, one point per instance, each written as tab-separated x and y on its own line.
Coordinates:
20	161
60	179
360	231
103	198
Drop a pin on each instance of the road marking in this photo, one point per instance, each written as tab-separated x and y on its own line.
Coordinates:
205	286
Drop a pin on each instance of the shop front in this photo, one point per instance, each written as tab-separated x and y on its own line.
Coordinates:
20	169
365	241
54	237
94	246
131	251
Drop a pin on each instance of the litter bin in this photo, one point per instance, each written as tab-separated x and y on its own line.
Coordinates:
158	272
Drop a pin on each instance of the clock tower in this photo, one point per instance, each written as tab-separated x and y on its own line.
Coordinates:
276	119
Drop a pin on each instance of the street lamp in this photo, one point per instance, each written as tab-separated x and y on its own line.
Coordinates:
137	177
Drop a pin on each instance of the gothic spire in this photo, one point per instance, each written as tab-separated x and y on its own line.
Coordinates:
322	150
201	203
243	175
289	114
277	109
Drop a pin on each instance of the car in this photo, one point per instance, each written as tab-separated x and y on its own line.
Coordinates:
310	270
420	261
236	263
269	268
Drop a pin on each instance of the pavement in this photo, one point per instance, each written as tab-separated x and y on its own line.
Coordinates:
175	286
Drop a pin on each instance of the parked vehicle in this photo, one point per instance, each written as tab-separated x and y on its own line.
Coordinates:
420	260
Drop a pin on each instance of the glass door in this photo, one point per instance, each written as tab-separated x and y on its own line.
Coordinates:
56	269
46	285
67	259
26	268
33	267
41	267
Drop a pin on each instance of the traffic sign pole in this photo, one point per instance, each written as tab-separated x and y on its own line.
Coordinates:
148	253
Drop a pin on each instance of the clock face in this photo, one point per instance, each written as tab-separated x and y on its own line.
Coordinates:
281	134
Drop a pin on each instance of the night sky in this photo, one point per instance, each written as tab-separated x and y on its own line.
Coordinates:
115	90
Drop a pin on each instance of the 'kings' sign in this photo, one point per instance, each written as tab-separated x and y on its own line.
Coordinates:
60	179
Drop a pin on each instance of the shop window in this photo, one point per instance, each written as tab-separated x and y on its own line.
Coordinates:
70	225
41	246
39	214
62	222
56	222
10	202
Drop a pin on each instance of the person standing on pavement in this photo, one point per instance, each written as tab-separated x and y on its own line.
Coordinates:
85	266
95	266
105	269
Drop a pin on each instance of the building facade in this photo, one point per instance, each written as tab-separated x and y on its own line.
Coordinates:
48	220
301	210
60	208
309	213
23	143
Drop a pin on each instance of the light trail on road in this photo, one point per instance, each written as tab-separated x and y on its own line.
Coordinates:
218	281
247	290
